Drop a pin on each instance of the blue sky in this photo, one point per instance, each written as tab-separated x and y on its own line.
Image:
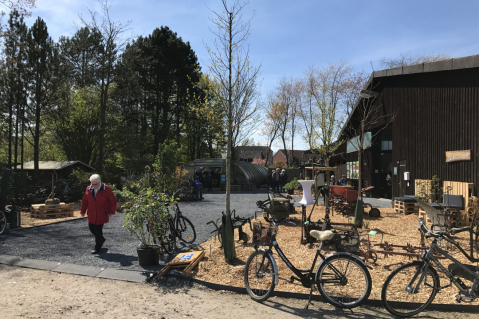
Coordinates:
289	36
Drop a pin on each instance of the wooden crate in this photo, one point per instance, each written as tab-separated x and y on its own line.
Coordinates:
405	208
51	211
460	188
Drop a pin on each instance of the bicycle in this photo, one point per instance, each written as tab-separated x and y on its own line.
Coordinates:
411	288
178	226
341	278
3	222
3	218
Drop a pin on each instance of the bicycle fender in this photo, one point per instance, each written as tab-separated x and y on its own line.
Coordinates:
275	267
347	254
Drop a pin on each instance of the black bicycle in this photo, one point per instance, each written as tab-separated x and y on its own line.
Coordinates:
3	218
409	289
341	278
177	226
3	221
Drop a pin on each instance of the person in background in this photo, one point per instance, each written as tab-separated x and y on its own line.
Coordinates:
198	189
199	176
275	180
283	178
99	203
209	180
343	181
332	180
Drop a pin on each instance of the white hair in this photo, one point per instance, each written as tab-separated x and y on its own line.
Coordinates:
95	177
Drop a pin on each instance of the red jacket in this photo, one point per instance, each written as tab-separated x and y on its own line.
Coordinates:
100	206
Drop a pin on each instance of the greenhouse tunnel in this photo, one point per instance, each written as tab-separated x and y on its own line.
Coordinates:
243	173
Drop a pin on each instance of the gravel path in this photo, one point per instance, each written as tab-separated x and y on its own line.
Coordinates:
71	241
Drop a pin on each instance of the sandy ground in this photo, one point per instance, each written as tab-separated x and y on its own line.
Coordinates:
30	293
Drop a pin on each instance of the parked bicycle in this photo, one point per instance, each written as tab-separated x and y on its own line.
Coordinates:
177	226
412	287
3	222
3	218
341	278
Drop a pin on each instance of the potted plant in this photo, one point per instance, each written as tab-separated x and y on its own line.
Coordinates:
291	186
145	215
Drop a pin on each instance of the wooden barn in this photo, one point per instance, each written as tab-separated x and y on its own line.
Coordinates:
425	122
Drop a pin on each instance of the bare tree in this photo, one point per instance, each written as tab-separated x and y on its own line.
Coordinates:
409	59
112	43
368	115
271	124
231	65
237	78
325	90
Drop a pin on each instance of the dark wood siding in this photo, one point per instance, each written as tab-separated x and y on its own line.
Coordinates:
435	112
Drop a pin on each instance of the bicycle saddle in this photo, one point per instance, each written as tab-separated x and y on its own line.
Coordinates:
322	235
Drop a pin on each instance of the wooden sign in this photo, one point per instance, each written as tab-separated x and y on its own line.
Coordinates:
458	156
184	260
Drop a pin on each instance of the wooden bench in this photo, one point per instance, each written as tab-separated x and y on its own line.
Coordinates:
51	211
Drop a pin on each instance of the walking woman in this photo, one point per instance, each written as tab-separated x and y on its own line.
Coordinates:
100	202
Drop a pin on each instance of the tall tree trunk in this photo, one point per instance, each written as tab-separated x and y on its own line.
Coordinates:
101	142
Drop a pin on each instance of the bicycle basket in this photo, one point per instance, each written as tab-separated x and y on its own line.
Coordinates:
262	235
346	241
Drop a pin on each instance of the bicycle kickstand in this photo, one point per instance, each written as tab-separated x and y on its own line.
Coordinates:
309	299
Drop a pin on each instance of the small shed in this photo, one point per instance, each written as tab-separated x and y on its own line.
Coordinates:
60	169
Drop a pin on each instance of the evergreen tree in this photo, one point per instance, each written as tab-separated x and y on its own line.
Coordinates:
40	70
14	84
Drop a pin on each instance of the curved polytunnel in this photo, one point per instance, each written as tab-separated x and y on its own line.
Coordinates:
243	172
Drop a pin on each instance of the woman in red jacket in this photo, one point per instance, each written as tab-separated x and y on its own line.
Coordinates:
100	202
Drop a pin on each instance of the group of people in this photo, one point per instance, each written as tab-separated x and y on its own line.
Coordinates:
278	180
199	181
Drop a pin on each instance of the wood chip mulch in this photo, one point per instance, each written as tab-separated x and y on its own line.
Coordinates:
391	227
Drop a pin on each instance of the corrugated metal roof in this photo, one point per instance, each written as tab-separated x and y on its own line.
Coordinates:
50	165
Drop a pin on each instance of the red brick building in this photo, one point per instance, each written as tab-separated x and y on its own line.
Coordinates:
302	156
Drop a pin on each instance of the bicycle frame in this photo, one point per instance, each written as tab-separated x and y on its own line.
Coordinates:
428	257
306	277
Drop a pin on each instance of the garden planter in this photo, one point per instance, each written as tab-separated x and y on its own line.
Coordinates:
290	191
149	257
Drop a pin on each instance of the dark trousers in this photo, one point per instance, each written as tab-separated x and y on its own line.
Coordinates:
97	231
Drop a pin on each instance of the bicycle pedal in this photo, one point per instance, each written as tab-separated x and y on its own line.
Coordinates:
464	298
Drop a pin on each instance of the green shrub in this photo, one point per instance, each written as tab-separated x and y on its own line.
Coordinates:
145	216
294	184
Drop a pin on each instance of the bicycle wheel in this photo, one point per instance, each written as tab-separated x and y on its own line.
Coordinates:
259	276
405	293
186	230
3	222
168	242
343	281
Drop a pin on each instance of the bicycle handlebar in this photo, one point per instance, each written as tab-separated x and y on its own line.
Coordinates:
444	235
